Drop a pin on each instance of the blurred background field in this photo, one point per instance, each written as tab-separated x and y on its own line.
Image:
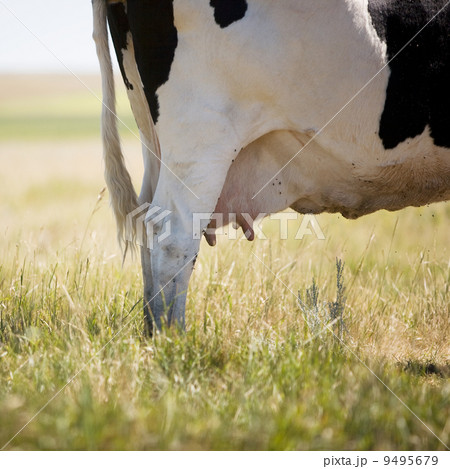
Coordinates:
249	373
54	107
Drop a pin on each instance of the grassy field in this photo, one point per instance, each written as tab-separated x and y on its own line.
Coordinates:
253	371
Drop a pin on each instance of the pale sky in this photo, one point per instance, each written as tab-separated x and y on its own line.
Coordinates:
65	26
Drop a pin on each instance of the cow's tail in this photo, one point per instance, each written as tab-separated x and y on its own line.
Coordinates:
122	194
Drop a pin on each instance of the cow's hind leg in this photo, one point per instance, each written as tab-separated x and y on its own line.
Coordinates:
123	42
191	197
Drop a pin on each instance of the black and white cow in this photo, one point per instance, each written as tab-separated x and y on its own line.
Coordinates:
250	106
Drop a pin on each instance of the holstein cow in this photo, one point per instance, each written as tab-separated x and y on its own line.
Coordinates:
253	106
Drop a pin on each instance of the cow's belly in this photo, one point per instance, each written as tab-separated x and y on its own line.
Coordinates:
317	180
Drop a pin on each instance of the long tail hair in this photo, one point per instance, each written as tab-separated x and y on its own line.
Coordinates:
122	194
